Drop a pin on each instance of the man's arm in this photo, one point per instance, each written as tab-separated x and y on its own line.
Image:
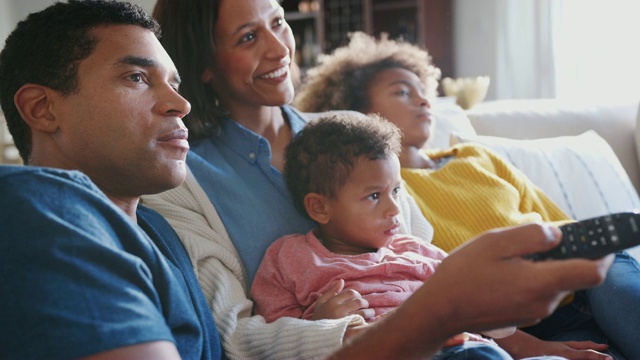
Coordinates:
469	292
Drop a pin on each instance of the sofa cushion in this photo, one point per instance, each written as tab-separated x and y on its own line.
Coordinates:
581	174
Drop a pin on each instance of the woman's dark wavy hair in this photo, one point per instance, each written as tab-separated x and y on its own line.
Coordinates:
188	28
321	157
47	47
342	78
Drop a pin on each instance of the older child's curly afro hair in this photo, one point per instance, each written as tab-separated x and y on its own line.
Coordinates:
342	78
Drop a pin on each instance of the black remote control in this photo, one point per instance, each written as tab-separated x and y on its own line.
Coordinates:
595	237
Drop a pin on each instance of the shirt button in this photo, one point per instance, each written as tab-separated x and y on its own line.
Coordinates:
252	155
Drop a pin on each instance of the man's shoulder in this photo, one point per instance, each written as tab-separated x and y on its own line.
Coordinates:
42	175
48	187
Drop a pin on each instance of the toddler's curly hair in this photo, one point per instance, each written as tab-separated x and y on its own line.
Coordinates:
320	158
342	78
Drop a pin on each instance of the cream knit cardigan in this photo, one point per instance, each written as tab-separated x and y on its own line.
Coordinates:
223	280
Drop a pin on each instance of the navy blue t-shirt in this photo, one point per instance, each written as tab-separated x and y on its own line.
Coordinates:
78	277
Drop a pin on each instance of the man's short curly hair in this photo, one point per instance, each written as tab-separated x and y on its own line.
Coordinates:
321	157
341	80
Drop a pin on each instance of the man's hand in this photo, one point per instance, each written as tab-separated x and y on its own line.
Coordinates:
485	284
337	303
502	288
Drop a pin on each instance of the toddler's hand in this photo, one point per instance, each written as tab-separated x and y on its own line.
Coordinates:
337	303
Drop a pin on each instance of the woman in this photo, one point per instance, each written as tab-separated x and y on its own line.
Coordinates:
235	58
467	189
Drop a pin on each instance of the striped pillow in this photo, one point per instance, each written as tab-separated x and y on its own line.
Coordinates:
581	174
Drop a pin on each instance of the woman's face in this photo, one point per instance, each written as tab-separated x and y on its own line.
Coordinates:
398	95
254	52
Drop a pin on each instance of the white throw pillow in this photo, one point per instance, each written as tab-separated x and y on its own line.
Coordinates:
449	118
581	174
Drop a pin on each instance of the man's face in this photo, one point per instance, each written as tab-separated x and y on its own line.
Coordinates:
123	127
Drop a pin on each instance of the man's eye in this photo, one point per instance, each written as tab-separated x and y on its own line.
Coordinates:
137	77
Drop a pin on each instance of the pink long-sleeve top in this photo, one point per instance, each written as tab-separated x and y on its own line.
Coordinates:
297	269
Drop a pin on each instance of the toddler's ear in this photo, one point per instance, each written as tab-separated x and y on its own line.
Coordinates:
317	207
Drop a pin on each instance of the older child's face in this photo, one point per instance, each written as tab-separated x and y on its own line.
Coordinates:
399	96
365	213
254	52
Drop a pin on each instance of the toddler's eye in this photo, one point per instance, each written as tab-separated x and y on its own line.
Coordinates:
374	196
395	191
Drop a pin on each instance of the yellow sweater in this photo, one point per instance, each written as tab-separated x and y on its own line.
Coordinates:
474	192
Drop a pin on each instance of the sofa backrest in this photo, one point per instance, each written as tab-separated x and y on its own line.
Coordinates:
544	118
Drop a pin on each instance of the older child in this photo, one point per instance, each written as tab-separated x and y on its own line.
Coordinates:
468	189
343	171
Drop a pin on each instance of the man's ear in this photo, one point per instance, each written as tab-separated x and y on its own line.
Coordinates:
33	103
317	207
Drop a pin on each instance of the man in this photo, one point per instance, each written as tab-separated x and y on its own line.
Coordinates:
91	99
86	86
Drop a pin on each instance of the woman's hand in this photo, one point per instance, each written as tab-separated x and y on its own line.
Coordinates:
522	345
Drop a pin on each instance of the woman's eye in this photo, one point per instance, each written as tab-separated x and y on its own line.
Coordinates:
278	22
248	37
403	92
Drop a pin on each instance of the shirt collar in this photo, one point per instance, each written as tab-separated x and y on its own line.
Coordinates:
249	145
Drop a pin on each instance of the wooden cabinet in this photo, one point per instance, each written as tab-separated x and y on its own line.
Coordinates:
306	19
326	25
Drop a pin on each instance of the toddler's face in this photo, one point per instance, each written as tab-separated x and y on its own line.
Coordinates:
364	215
398	95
